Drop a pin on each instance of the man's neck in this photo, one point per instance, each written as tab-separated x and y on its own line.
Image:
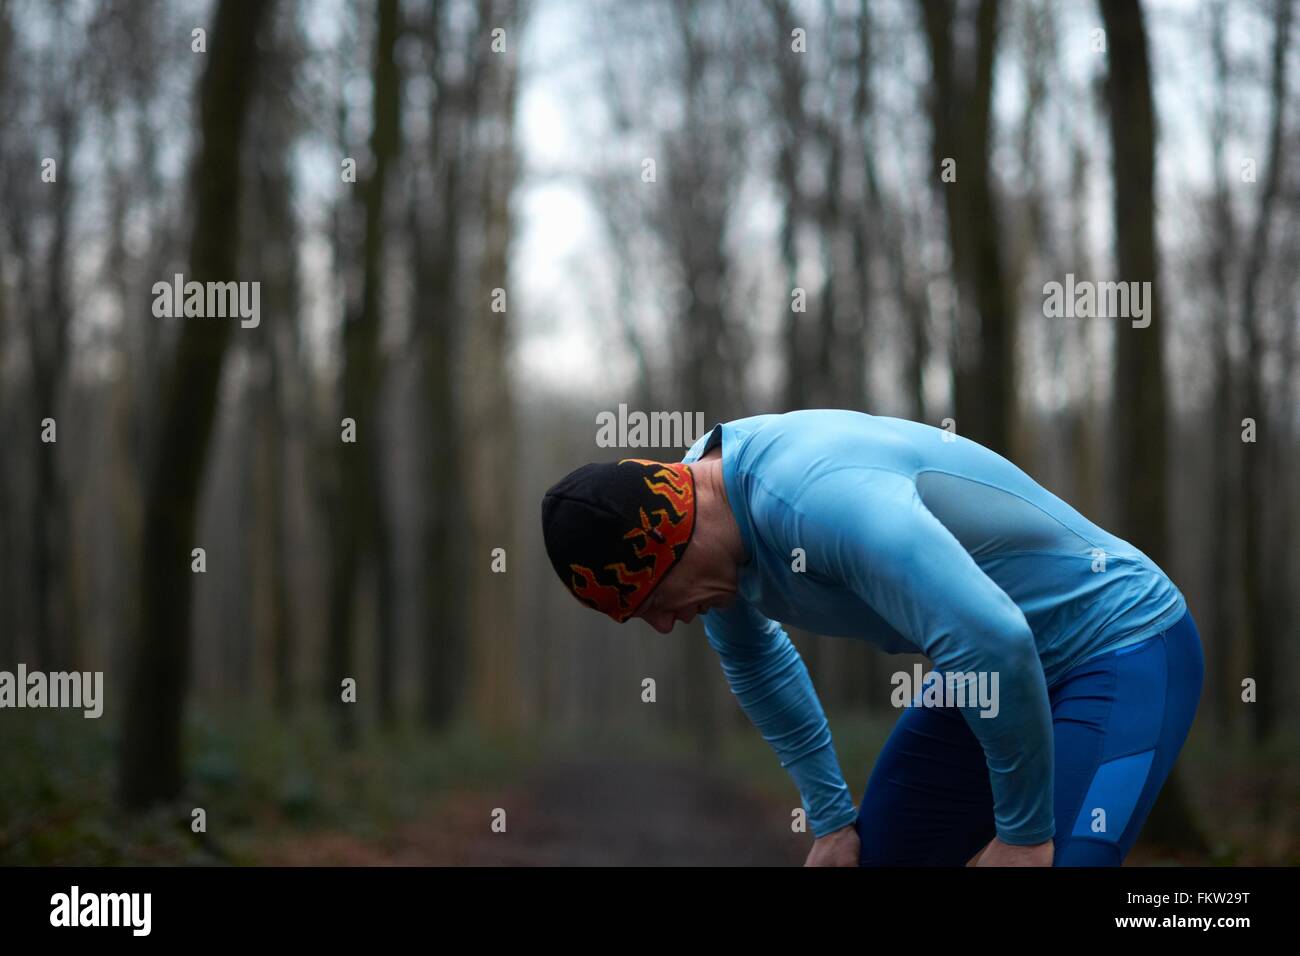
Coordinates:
713	510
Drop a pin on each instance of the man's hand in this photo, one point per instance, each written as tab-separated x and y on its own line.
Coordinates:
837	848
998	853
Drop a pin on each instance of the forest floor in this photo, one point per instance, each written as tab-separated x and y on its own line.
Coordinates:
678	810
283	793
580	812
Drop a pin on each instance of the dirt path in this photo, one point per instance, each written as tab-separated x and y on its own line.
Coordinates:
604	812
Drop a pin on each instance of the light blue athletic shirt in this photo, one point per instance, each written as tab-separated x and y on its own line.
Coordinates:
919	541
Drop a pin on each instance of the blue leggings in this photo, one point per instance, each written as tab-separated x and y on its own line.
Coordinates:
1119	722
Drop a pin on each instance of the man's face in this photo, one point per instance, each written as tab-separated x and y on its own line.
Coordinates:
680	596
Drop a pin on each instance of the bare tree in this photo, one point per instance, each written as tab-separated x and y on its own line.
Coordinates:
47	337
275	346
961	98
1225	534
151	761
1259	605
793	133
359	522
435	226
8	649
1141	455
489	414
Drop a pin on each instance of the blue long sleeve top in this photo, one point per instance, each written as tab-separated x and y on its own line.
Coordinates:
916	540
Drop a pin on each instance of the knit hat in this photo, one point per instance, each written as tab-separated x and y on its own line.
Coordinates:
613	531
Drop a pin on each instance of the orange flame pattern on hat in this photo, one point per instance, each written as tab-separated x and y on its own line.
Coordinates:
658	541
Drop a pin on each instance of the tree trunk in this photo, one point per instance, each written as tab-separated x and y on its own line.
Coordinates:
489	412
48	335
793	134
1261	628
863	219
359	520
151	761
1139	401
277	250
961	118
996	368
436	251
1224	669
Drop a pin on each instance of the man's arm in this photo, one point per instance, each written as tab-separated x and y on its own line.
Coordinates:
772	685
869	529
